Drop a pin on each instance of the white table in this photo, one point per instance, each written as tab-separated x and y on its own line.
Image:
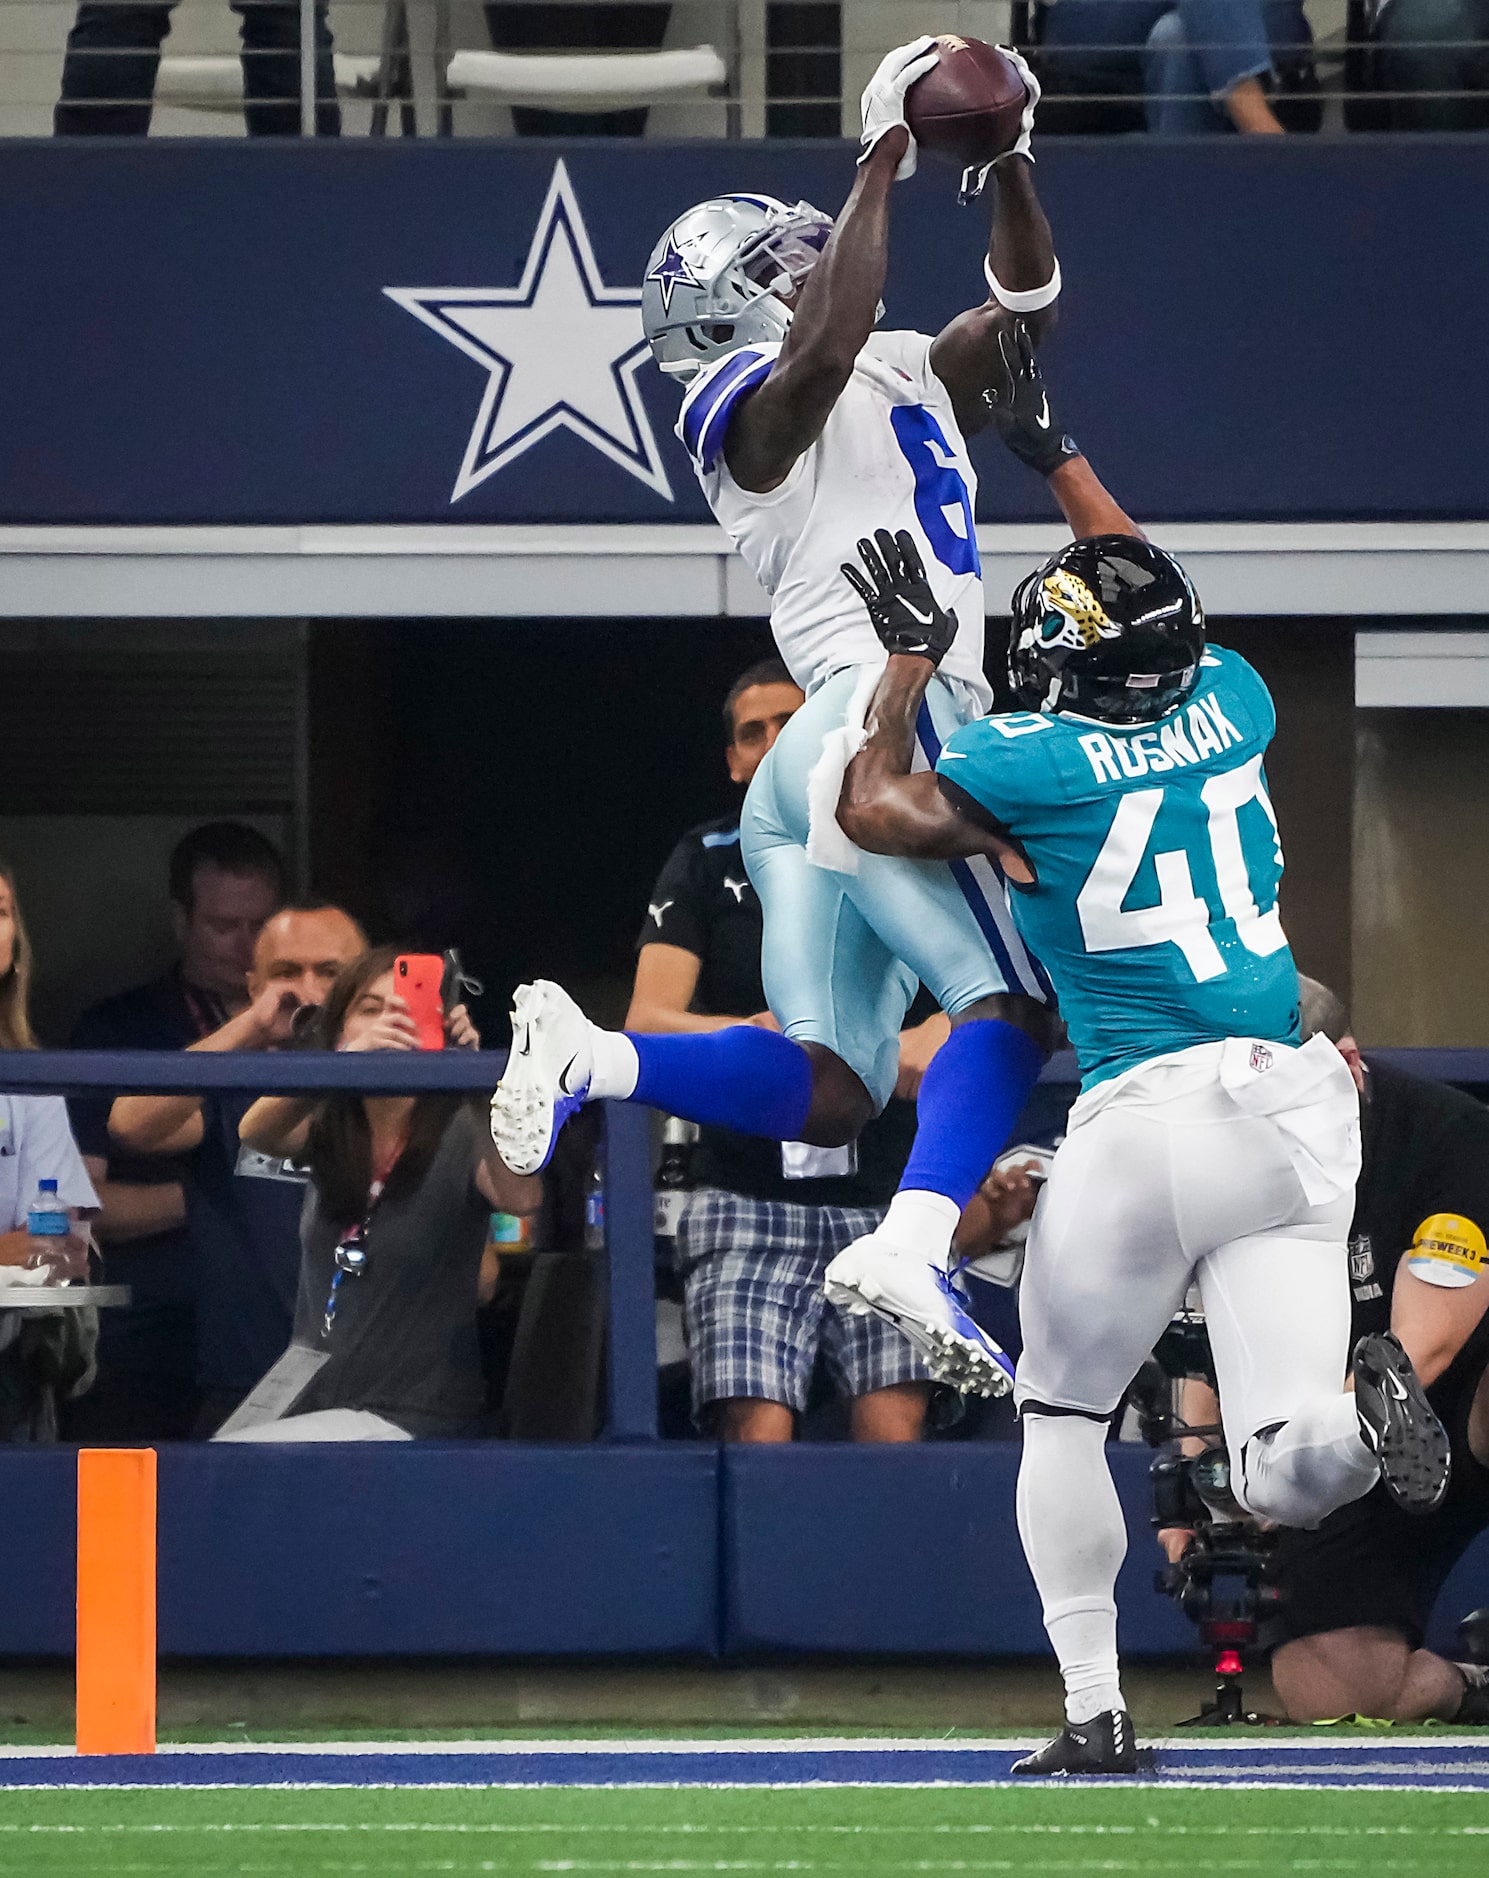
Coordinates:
61	1297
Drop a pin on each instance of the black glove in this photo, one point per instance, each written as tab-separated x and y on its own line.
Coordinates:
900	602
1020	408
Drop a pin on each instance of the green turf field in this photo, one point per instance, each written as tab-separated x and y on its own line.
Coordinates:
841	1832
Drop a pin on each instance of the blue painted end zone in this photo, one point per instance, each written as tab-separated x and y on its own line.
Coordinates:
1419	1763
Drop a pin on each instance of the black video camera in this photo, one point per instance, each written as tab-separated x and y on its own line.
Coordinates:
1224	1582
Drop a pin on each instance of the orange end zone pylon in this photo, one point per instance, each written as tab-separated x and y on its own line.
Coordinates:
116	1601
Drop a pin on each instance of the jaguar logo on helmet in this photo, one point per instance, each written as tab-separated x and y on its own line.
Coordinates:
1076	618
1108	629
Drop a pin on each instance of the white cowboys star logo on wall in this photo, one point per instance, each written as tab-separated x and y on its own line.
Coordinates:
562	350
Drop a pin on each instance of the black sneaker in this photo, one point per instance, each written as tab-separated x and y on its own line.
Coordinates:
1474	1708
1400	1426
1103	1745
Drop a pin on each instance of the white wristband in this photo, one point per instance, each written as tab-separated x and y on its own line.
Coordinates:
1031	302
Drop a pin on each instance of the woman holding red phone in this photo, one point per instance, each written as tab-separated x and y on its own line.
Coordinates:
401	1192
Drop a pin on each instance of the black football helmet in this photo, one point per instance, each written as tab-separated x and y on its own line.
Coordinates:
1108	628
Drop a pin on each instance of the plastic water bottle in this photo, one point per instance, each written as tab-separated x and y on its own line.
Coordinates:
53	1247
46	1217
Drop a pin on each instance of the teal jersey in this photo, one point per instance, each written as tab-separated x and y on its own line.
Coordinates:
1158	863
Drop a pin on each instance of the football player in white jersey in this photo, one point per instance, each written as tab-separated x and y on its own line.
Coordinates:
804	424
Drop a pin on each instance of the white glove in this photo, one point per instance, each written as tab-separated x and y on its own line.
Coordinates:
973	178
883	101
1031	83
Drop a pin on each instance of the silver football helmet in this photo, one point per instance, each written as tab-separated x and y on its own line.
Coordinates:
715	279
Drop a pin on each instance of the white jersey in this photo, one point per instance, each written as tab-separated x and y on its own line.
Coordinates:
892	456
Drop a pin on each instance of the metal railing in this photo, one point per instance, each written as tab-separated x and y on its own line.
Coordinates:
631	1347
706	68
631	1365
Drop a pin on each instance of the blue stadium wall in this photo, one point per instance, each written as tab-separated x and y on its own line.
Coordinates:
613	1550
203	333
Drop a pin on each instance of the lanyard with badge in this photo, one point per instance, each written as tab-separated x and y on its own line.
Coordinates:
351	1247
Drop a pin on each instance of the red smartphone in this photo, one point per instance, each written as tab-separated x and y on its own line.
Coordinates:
416	979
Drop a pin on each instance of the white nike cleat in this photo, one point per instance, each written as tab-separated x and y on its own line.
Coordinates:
547	1075
923	1304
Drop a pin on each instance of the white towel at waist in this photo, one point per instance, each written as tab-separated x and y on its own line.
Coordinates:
827	845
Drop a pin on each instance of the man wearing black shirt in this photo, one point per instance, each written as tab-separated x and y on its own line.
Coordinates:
755	1238
225	881
243	1208
1358	1591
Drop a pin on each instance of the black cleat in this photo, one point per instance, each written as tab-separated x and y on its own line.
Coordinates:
1103	1745
1400	1426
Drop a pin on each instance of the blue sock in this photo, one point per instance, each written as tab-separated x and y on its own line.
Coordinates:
754	1081
970	1097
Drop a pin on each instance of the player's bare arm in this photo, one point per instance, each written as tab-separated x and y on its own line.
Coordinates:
830	326
966	356
883	807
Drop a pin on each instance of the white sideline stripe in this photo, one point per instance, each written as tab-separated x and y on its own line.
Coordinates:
1431	1745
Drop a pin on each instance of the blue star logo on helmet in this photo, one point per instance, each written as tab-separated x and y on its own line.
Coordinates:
669	270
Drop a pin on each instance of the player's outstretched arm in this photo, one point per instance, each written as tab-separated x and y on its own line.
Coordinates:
1086	503
1018	404
839	304
883	807
1023	277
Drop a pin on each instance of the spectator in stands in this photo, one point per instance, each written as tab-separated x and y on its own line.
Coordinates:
754	1240
225	880
113	55
1201	66
1428	61
402	1189
242	1207
1358	1592
42	1358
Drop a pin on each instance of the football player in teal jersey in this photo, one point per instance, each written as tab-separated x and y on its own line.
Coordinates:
1127	805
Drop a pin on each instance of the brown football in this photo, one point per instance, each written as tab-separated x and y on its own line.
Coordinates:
968	107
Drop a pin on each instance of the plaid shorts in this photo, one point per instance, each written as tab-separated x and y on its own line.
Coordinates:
754	1309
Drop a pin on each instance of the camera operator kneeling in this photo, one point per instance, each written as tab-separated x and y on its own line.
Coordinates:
385	1344
1357	1592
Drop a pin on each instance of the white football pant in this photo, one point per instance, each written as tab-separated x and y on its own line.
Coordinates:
1232	1165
